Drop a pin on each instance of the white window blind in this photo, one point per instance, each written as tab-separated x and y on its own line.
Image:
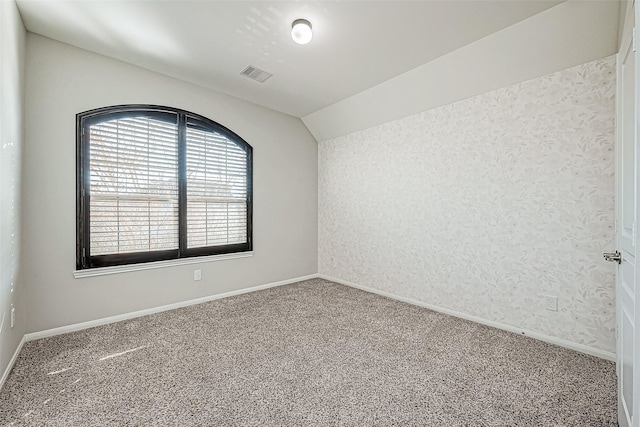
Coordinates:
216	189
158	183
133	186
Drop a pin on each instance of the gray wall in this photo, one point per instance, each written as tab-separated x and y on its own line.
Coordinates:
12	48
62	81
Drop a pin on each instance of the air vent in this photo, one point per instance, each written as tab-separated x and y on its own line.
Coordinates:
256	74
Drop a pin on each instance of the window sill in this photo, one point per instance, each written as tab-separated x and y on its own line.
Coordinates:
90	272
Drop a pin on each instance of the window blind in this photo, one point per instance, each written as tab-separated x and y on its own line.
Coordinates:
133	186
157	183
216	189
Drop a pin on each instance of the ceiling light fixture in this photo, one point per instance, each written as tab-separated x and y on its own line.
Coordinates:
301	31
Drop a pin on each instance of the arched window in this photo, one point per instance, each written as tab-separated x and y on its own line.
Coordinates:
157	183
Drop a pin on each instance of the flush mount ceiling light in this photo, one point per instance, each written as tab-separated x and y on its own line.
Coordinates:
301	31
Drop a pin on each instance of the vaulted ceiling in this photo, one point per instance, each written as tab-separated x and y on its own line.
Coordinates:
356	44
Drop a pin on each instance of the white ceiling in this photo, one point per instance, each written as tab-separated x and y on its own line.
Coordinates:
356	44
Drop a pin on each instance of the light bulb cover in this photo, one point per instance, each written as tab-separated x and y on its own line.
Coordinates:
301	31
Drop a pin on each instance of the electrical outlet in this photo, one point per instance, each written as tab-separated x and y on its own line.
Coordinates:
551	303
197	274
13	316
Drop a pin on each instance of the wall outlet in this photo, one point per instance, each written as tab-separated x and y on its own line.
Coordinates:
13	316
197	274
551	303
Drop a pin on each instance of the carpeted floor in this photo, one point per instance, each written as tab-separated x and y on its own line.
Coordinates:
311	353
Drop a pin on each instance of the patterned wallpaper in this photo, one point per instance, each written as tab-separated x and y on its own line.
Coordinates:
486	205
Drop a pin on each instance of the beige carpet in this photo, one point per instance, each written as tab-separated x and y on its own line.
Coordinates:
311	353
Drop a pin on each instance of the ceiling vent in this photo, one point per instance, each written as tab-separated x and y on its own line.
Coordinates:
256	74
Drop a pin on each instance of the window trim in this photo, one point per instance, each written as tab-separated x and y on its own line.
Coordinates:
152	265
84	260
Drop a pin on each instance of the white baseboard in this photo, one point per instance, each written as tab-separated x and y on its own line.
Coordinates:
552	340
98	322
104	321
12	362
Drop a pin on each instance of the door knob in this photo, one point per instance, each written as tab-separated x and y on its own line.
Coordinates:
613	256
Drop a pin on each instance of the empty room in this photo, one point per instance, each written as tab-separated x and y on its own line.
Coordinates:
319	213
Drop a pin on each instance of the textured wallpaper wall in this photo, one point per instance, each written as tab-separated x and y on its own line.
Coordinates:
485	205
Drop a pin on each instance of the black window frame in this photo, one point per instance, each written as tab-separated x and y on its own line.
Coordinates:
84	259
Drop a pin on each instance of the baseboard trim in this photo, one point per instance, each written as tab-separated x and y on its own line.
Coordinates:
12	362
132	315
104	321
546	338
